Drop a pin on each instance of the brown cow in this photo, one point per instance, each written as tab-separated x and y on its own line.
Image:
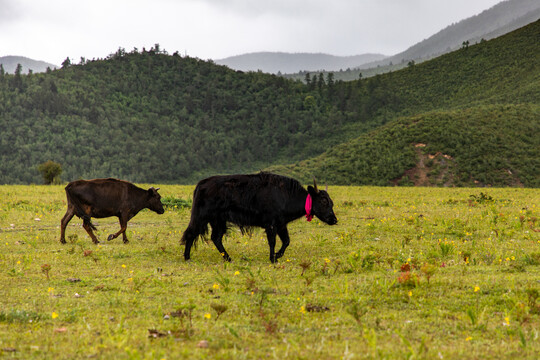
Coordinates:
102	198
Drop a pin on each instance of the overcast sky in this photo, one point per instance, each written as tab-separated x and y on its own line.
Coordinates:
51	30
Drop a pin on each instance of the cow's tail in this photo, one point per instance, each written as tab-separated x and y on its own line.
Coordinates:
193	232
78	208
198	226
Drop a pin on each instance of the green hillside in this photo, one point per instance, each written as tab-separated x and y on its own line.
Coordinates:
478	106
497	145
153	117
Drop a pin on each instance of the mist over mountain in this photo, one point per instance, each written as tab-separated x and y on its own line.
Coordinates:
287	63
10	64
496	21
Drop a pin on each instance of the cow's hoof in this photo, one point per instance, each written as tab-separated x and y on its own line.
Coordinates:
62	241
110	237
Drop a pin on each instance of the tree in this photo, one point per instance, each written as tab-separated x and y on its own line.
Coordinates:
308	79
320	82
50	171
66	63
17	79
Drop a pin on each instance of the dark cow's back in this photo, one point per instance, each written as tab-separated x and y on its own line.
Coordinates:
247	200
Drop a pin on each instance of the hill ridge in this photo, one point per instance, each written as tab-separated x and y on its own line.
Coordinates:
286	63
154	117
513	103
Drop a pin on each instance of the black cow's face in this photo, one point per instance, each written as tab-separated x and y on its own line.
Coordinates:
154	201
322	205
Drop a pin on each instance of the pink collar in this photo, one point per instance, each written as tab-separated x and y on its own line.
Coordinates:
309	215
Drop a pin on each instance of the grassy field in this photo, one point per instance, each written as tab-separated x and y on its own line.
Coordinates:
407	273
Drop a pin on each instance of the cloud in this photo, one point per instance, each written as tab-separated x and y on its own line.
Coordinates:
288	8
53	29
9	11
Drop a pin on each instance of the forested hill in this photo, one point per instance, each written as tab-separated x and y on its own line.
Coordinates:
149	116
154	117
472	118
492	145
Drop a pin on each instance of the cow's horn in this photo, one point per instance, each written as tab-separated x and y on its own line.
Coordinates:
157	189
315	184
326	187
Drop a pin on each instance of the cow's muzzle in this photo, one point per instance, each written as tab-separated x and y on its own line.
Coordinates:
332	221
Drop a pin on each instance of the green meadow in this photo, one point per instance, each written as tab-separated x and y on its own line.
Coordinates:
408	273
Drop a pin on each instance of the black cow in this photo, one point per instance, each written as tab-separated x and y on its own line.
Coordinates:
102	198
265	200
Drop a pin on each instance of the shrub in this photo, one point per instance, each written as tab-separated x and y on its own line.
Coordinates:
50	171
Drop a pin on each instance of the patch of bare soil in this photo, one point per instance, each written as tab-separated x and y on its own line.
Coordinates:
430	170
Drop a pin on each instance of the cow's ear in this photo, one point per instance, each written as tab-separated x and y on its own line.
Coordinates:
311	190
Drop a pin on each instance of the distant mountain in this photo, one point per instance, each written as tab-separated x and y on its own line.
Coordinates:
498	20
10	64
287	63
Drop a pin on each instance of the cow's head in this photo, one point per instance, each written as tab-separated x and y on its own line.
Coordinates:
322	205
154	201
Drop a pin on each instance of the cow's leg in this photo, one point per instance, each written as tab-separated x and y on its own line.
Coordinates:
190	235
285	240
271	235
123	226
65	220
87	225
63	224
218	230
188	238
